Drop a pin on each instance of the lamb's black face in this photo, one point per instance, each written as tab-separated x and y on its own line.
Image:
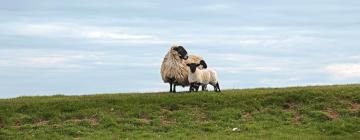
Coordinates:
193	67
183	53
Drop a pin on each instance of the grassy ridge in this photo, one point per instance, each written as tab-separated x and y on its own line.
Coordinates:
324	112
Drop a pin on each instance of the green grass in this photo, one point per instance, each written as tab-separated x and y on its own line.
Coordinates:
321	112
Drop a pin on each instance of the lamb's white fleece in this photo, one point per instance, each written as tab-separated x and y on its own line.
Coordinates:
203	76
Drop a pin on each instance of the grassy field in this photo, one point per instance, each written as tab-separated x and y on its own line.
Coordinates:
323	112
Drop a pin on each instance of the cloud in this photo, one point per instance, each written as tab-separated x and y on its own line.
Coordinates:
344	71
289	41
74	60
114	36
286	80
264	40
55	61
68	30
48	59
3	62
260	59
256	36
214	7
248	68
355	57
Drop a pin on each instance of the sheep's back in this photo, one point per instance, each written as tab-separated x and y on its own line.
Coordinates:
193	59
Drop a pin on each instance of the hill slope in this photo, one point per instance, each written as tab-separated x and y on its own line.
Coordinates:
324	112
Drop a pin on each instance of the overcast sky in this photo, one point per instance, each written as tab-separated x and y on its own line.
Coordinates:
86	46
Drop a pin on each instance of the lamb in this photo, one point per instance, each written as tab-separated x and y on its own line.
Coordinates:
174	70
202	77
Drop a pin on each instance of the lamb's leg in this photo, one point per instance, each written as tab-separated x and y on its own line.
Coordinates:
191	87
215	85
204	87
218	86
194	87
215	88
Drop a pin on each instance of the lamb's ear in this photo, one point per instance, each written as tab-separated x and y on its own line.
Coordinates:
188	65
198	65
202	62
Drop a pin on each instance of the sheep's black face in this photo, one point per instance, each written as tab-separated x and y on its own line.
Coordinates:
193	67
182	52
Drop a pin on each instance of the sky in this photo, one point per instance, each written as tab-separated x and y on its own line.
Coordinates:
76	47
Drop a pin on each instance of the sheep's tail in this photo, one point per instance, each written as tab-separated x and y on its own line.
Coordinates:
218	87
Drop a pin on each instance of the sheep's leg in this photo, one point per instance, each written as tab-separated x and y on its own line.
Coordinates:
174	90
170	86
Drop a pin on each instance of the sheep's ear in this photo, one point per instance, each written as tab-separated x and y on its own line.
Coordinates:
188	65
197	65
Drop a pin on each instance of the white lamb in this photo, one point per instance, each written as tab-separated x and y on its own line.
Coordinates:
202	77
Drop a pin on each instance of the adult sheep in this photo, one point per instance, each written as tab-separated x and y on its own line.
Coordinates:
173	68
